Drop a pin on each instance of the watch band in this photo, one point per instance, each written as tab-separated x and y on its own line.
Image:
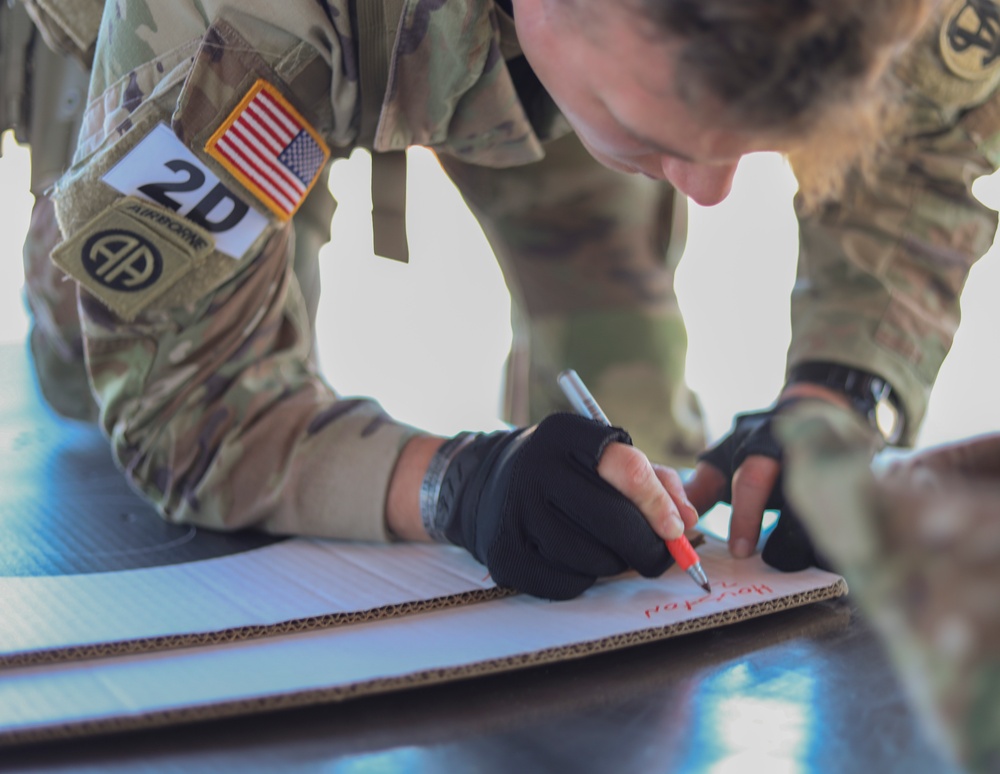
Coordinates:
870	395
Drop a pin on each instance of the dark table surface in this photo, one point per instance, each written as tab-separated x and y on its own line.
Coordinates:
803	690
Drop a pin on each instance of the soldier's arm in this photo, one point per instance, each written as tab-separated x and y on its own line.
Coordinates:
881	271
198	341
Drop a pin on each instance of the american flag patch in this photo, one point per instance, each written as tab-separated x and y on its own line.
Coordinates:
271	149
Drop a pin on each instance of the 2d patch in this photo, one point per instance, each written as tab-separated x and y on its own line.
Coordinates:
132	253
970	39
163	170
268	146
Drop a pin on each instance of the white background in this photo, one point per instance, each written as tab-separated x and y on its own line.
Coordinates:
428	339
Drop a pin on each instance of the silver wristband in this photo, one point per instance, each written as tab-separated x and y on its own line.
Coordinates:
430	487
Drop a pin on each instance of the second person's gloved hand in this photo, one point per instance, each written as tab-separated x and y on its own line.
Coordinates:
750	435
530	505
788	547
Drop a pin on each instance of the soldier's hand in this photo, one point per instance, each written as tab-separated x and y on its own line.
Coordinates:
744	470
552	508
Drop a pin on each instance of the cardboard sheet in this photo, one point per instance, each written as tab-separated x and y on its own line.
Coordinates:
292	585
340	662
89	568
111	618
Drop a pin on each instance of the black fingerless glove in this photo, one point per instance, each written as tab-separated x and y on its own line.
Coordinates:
788	547
530	505
751	434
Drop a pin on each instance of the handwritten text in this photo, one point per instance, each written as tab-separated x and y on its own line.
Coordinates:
729	589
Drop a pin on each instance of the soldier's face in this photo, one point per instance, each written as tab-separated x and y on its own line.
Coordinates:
616	88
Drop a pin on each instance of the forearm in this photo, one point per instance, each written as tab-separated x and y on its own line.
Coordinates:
881	275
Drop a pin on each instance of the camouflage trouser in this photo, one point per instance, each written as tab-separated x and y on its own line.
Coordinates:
589	257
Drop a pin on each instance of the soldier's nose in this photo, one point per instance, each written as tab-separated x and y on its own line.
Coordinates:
706	184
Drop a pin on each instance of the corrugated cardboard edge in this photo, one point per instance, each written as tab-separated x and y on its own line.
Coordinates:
347	691
240	633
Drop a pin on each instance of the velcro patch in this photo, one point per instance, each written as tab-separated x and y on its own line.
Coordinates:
132	253
268	146
970	39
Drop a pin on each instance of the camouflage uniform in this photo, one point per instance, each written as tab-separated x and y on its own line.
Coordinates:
920	549
881	271
621	282
629	218
208	391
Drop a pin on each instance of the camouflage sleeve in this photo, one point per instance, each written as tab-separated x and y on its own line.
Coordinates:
921	554
197	336
881	271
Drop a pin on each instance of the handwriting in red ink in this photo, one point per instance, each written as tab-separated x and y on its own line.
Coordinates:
729	590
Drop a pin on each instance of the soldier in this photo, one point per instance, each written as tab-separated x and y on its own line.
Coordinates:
207	128
919	543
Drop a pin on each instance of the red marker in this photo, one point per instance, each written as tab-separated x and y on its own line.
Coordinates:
581	399
685	555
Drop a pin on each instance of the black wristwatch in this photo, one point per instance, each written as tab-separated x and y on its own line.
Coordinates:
870	395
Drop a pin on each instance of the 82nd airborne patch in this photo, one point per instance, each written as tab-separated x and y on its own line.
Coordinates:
131	253
970	39
122	260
